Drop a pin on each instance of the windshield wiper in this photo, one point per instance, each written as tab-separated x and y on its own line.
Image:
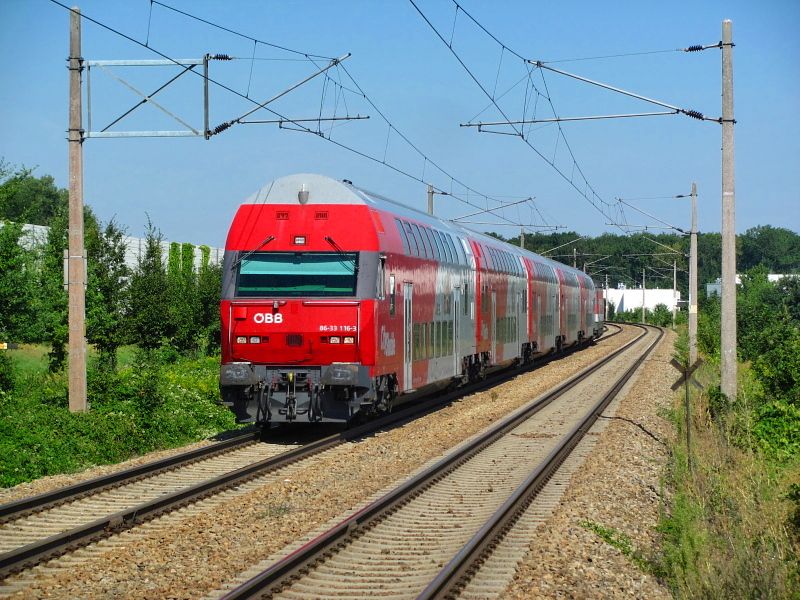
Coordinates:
342	253
250	253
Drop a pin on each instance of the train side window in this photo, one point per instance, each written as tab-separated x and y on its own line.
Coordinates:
391	294
443	249
449	248
452	246
428	242
434	247
462	250
429	346
381	280
412	242
418	236
403	236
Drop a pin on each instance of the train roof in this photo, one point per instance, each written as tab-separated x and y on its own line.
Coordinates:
326	190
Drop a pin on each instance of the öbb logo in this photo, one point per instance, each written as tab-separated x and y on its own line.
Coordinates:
267	318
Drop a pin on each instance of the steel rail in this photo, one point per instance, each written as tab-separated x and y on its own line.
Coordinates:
276	575
460	569
36	552
31	504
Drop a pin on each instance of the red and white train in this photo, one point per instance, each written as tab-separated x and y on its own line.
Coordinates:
338	302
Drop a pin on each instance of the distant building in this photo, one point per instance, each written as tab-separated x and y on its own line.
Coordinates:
631	299
715	289
35	236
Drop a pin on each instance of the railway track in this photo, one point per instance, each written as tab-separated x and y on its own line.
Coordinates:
38	528
428	537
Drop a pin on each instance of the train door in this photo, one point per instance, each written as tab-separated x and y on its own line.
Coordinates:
493	308
539	324
408	323
518	301
456	313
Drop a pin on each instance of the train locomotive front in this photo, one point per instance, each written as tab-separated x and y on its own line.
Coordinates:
298	292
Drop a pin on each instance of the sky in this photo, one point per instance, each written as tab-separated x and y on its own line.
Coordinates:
417	93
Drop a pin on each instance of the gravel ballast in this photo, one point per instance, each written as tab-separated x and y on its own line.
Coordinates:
198	553
617	489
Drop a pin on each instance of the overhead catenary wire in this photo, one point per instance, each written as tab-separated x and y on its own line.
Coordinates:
240	34
599	202
284	119
360	92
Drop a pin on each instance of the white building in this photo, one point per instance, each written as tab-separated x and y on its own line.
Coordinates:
34	236
631	299
715	289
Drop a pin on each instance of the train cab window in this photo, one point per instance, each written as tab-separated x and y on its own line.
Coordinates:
412	242
293	274
466	299
403	236
391	294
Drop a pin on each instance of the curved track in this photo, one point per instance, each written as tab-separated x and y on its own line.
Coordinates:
427	535
41	527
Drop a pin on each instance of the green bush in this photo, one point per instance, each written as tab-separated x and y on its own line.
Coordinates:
778	368
145	407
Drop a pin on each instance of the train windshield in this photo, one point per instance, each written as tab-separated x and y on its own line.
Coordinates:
267	274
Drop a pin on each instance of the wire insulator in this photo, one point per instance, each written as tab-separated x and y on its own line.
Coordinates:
695	114
221	57
221	128
696	48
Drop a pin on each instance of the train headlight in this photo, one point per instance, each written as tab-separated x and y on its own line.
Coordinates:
349	339
254	339
335	339
241	339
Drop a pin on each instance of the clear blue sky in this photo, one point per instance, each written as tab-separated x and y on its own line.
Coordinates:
190	188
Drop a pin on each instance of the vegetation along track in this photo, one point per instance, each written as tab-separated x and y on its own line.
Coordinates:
456	510
40	527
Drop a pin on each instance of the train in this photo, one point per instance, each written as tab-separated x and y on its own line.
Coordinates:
338	303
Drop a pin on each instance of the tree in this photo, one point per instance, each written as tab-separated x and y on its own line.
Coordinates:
28	199
16	285
209	288
183	300
776	248
106	291
148	306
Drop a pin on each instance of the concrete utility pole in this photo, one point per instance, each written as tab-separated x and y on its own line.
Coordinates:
76	272
430	199
574	258
522	237
728	325
643	294
693	281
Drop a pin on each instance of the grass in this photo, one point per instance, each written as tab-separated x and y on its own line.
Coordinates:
144	406
730	527
621	542
31	359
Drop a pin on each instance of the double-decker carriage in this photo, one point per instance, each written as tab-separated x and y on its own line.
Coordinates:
337	302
